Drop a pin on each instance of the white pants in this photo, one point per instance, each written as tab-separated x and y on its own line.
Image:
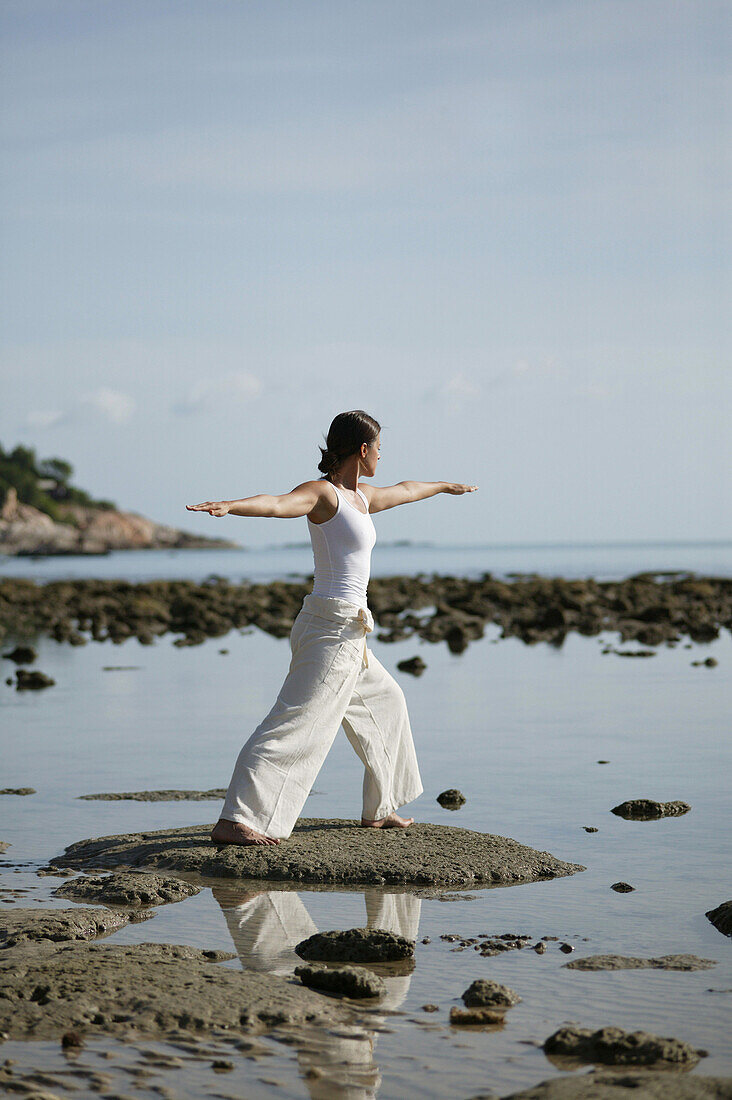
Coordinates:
333	679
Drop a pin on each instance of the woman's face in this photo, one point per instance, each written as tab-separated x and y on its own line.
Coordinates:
368	463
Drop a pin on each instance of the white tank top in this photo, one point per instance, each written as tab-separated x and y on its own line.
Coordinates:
342	551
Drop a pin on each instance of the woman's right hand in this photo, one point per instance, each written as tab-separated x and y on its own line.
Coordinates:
213	507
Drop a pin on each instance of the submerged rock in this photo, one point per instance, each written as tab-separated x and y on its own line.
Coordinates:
22	655
32	680
646	809
643	1085
351	981
36	925
630	962
486	993
615	1047
415	666
147	989
361	945
331	851
478	1015
721	918
127	888
451	799
155	796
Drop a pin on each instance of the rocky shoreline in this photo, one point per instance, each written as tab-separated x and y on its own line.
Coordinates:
25	531
647	608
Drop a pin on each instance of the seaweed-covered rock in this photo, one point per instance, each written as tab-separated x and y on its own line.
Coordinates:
414	665
647	809
21	655
647	608
360	945
485	993
127	888
451	799
721	918
480	1015
615	1047
351	981
331	851
32	680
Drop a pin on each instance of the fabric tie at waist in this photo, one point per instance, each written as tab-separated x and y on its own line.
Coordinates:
341	611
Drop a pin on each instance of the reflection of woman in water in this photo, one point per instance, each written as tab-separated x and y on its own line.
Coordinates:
333	678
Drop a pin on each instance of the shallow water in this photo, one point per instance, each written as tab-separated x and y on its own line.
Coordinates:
604	561
519	730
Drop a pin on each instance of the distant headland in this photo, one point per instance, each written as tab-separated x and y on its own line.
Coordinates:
42	513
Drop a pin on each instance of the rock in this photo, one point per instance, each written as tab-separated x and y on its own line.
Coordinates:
615	1047
633	1085
155	796
484	993
721	918
540	948
71	1040
415	666
567	948
351	981
25	530
451	799
121	888
35	925
32	680
148	989
709	662
18	790
622	887
4	845
646	809
630	962
532	608
430	1008
330	851
485	1015
360	945
590	828
637	652
22	655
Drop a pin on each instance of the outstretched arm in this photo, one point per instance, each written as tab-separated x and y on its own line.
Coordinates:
406	492
299	502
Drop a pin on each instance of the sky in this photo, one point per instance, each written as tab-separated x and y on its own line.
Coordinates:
501	227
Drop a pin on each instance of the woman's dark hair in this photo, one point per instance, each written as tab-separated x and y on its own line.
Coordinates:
345	436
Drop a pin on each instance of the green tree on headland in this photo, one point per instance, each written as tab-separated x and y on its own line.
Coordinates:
42	483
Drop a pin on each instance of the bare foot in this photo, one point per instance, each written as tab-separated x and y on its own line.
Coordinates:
232	832
391	821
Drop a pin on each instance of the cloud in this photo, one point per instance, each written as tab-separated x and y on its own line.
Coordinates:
112	404
102	403
44	418
237	387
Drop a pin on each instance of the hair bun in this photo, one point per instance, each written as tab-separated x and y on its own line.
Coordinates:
328	461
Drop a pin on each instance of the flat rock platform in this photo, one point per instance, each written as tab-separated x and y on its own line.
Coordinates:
331	851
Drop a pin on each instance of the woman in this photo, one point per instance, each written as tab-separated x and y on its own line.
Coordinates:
333	678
